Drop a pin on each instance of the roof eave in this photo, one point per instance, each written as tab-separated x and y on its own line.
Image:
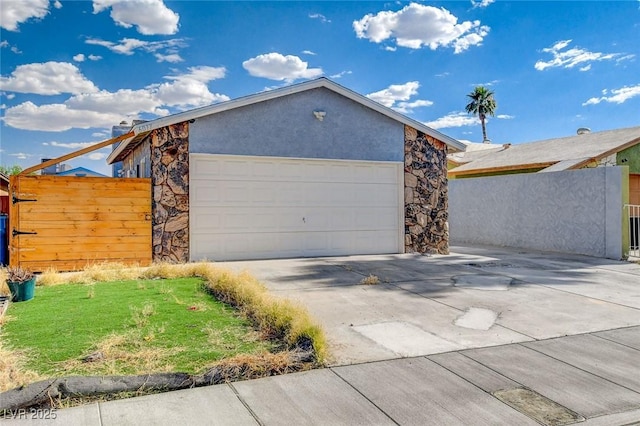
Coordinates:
456	172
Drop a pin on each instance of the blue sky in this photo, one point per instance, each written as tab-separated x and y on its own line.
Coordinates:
72	69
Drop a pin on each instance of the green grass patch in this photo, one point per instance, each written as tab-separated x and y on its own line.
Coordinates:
131	327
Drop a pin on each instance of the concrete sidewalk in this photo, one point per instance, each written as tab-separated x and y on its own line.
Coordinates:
593	379
483	336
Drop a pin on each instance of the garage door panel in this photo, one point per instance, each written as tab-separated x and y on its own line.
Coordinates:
296	219
293	207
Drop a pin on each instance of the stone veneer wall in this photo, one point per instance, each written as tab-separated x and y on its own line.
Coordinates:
170	183
425	193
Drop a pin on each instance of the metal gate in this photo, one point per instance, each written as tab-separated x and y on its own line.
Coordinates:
633	213
69	222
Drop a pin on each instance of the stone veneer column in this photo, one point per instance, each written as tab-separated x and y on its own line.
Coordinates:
425	194
170	182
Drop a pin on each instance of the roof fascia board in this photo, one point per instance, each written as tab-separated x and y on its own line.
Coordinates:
453	172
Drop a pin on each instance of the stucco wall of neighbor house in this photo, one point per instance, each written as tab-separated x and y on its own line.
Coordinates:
630	157
287	127
578	211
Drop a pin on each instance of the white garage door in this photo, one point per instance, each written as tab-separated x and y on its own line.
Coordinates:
244	207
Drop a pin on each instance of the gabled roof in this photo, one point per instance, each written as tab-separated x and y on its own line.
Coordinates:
143	129
557	154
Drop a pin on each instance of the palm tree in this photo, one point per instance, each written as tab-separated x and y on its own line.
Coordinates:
483	104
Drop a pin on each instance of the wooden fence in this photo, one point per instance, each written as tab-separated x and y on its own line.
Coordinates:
69	222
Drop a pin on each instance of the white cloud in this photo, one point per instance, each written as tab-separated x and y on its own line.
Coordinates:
481	3
94	57
70	145
341	74
489	83
397	97
75	146
127	46
454	119
57	4
172	58
124	102
148	16
625	57
21	155
572	57
49	78
79	57
309	52
190	90
408	107
395	92
418	25
618	96
461	119
276	66
14	49
13	13
56	118
390	48
97	156
320	17
102	108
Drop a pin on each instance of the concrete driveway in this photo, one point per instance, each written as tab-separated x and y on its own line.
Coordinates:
476	297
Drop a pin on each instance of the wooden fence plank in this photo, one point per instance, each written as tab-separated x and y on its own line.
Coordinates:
70	252
53	183
87	231
98	217
46	239
38	208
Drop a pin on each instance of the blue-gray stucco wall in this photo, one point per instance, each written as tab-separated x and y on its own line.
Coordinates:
286	127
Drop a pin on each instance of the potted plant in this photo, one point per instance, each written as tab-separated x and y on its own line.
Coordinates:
22	284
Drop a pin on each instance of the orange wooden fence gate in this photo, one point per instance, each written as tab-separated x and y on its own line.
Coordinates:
69	222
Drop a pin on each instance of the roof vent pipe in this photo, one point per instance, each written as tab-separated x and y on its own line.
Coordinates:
583	130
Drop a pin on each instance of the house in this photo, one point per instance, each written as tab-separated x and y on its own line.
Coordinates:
312	169
80	172
586	149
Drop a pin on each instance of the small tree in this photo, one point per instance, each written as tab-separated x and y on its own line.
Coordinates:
10	170
482	104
